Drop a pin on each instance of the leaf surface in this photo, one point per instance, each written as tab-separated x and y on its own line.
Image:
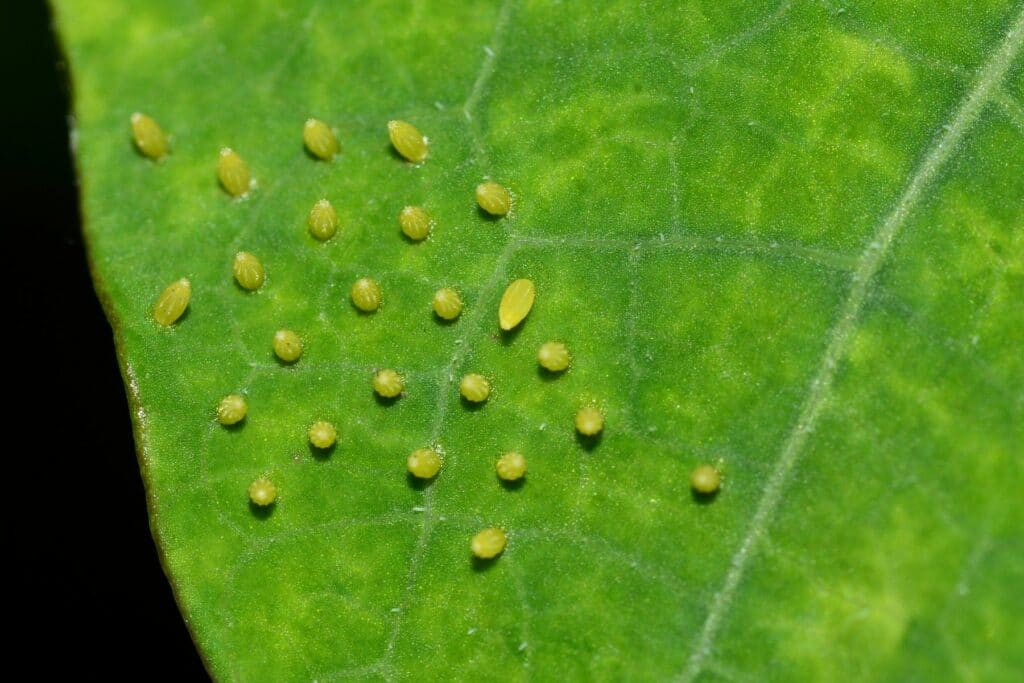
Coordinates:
783	238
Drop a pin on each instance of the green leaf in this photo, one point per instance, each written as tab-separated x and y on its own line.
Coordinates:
786	239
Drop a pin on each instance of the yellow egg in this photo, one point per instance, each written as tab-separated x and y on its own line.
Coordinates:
511	466
424	463
320	139
233	172
589	421
415	223
516	303
407	140
493	198
475	388
248	270
705	479
388	383
232	409
366	295
149	137
447	303
322	434
287	345
262	492
488	543
553	356
172	302
322	221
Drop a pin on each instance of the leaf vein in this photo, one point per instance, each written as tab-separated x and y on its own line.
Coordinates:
984	90
719	244
715	53
483	77
1012	110
473	326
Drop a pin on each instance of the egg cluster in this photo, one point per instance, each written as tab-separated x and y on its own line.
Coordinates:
367	296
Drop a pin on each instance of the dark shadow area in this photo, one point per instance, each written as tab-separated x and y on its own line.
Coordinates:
507	337
310	155
181	318
384	401
416	483
91	597
322	454
393	153
282	362
243	290
482	565
444	322
516	485
472	406
361	312
547	375
235	428
262	512
411	241
589	443
703	498
489	217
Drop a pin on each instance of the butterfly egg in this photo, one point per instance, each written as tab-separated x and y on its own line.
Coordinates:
233	173
493	198
407	140
488	543
149	137
287	346
248	270
172	302
323	220
232	409
322	434
262	492
475	388
516	302
447	303
320	139
589	421
553	356
415	223
705	479
388	383
423	463
511	466
366	295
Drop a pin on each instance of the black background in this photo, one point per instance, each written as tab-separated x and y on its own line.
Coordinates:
88	595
